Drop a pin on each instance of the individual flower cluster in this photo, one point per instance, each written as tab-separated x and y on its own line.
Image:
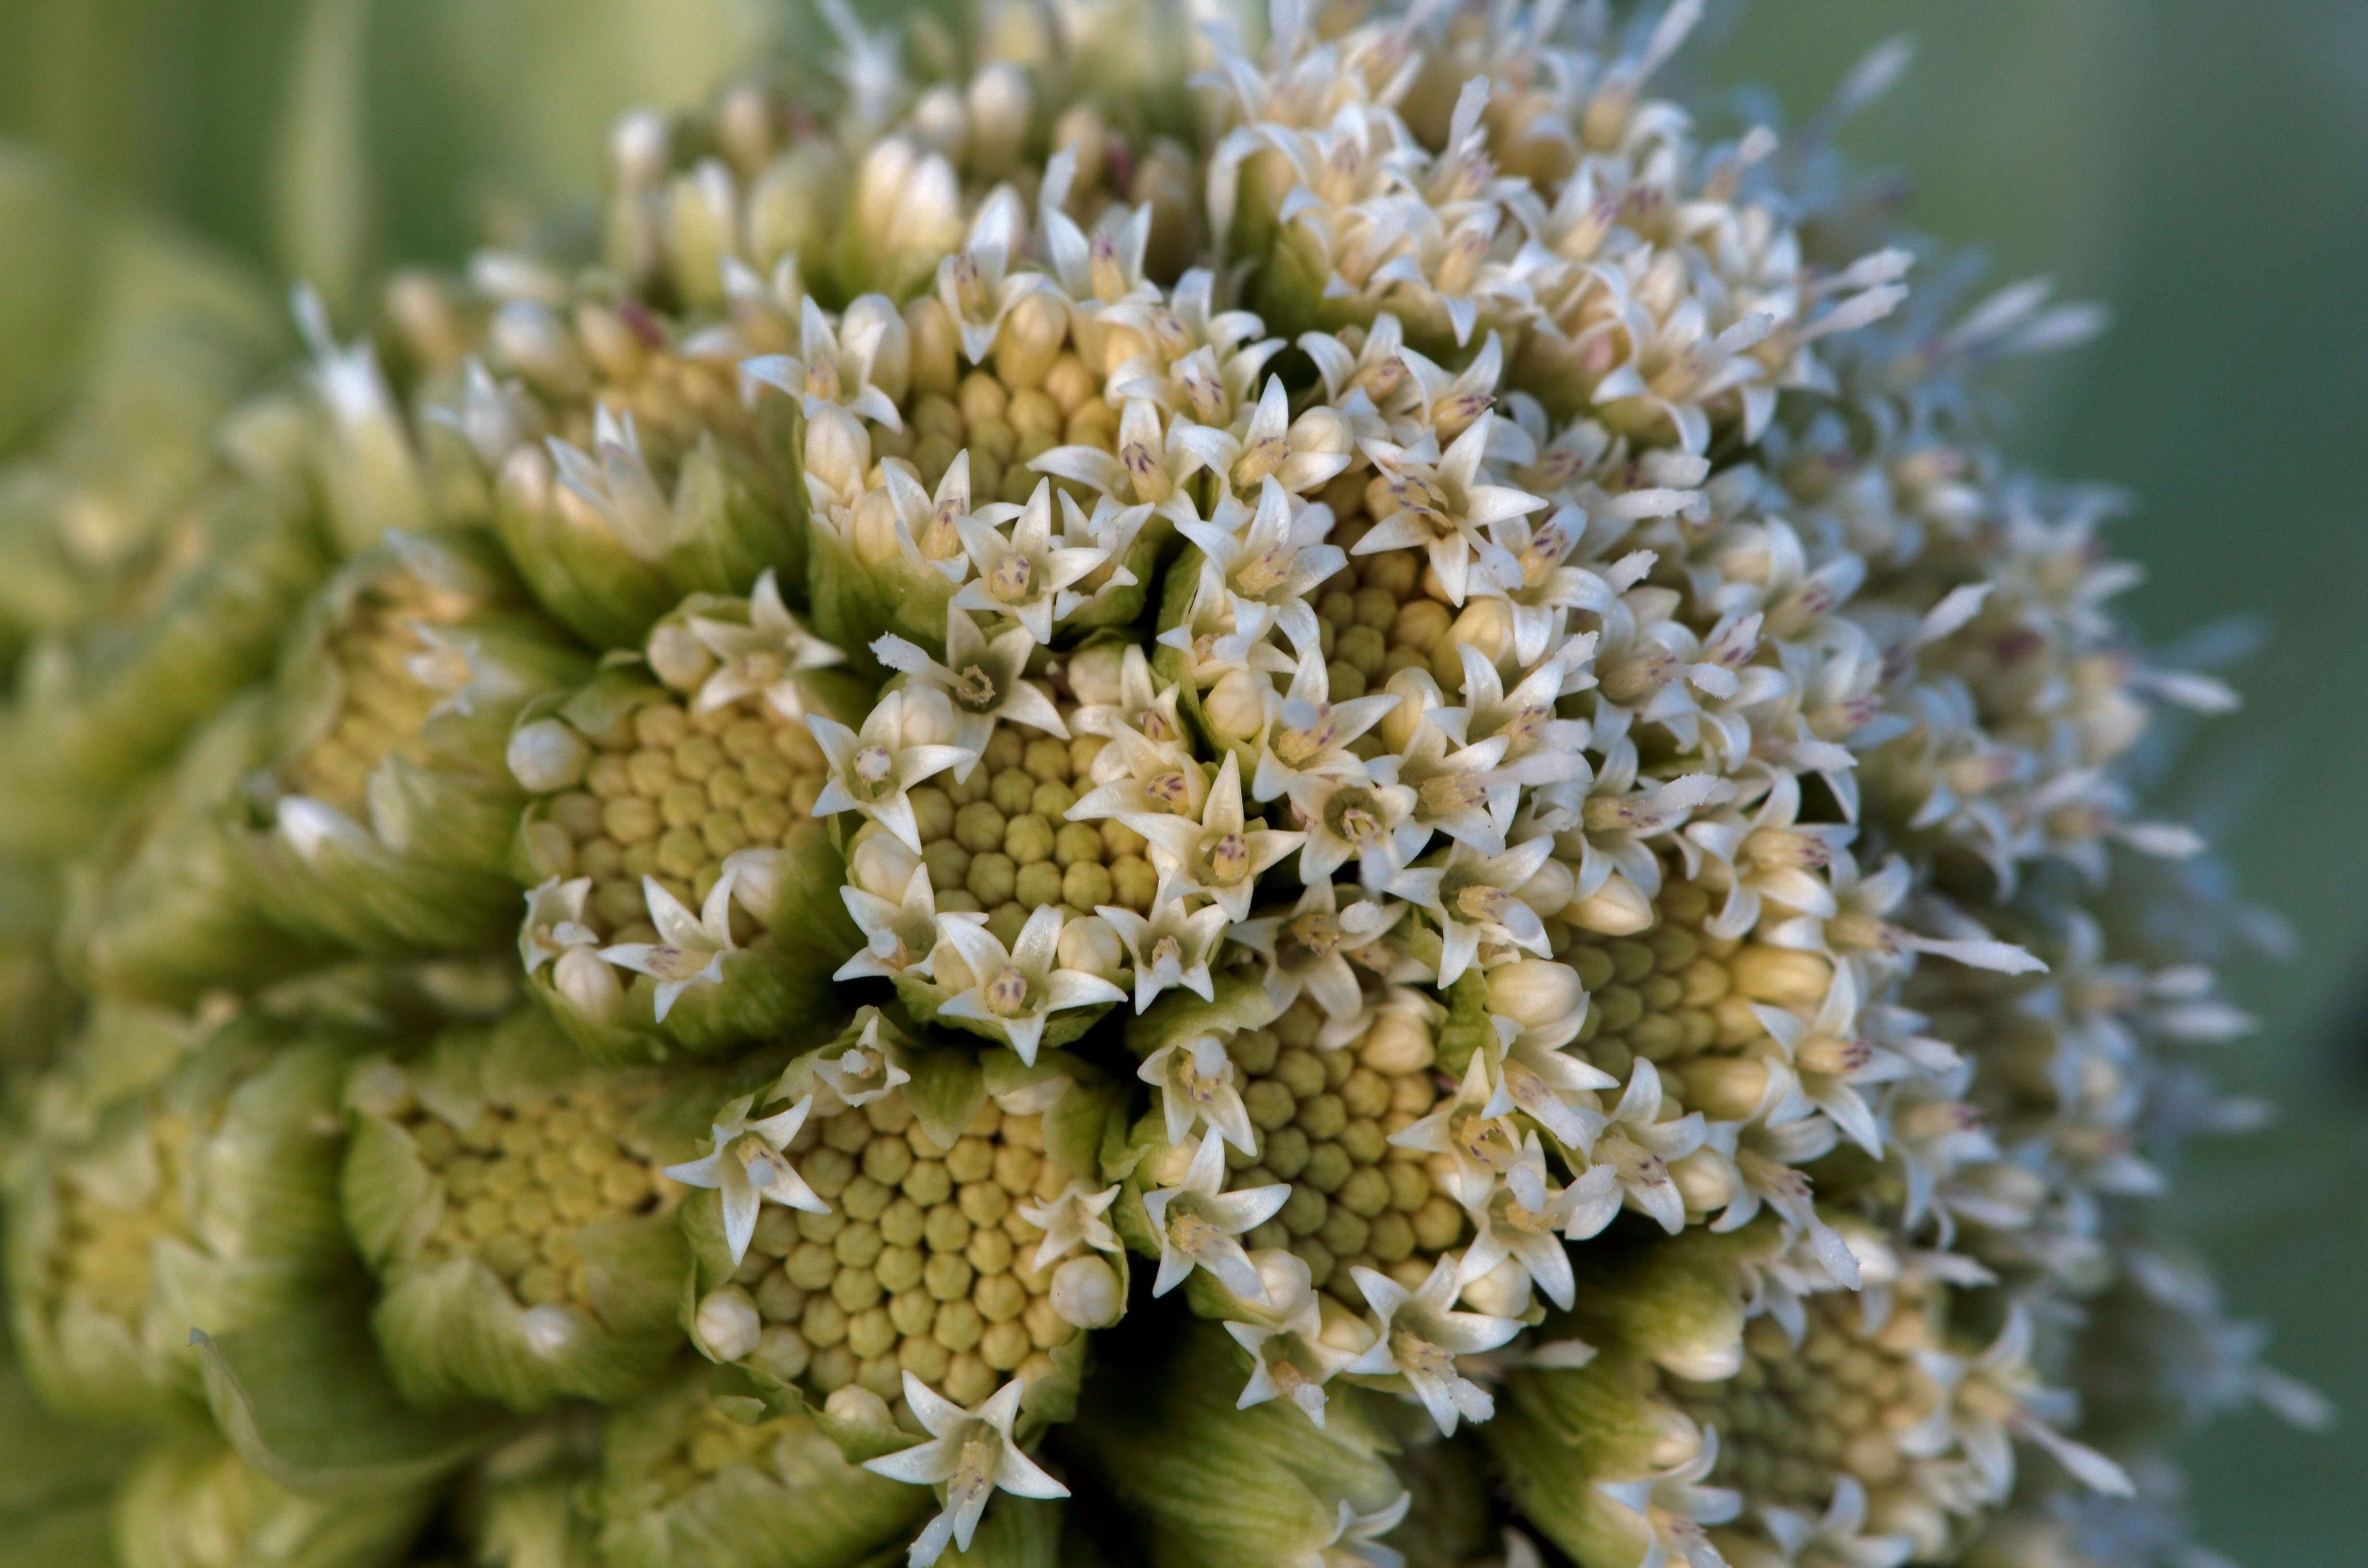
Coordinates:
1367	690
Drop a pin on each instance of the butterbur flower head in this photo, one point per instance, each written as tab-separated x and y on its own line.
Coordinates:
1414	698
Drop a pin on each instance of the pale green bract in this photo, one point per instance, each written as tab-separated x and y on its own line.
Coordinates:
1159	786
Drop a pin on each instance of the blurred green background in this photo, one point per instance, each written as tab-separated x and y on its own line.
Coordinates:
2201	165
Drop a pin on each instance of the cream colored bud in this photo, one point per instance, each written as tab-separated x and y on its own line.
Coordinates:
1676	1441
1725	1088
838	451
794	204
1097	674
940	119
858	1406
583	978
637	149
1399	1041
1342	1329
548	756
726	1324
1169	1167
1535	993
1031	339
1418	694
1707	1180
1088	944
1086	1293
1503	1291
1782	975
526	479
1487	625
1618	908
927	722
1083	132
873	529
936	341
1549	892
873	329
1000	106
1236	705
756	881
949	969
678	657
881	866
528	336
743	127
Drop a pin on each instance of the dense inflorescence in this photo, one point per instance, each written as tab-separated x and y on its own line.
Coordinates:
1369	691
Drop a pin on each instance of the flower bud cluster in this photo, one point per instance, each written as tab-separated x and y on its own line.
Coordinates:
923	1260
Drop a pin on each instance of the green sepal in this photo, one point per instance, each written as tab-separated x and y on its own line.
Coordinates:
1556	1434
98	709
1229	1488
425	867
532	1523
578	571
731	523
250	1232
855	603
305	1400
1238	1003
452	1332
1676	1301
1123	607
166	909
794	1502
54	1477
1172	665
728	522
1468	1027
198	1504
451	1329
1015	1532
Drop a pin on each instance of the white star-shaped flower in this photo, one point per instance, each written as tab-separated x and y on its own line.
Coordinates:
872	771
1420	1337
1196	1223
749	1165
1170	946
1071	1219
973	1453
690	949
1195	1080
1014	990
1213	854
554	922
761	658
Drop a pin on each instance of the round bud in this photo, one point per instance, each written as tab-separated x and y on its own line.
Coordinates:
726	1324
1707	1180
1236	705
583	978
1097	674
881	866
1618	908
547	757
1089	944
1503	1291
1400	1040
1535	993
678	657
1086	1293
549	1330
858	1406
